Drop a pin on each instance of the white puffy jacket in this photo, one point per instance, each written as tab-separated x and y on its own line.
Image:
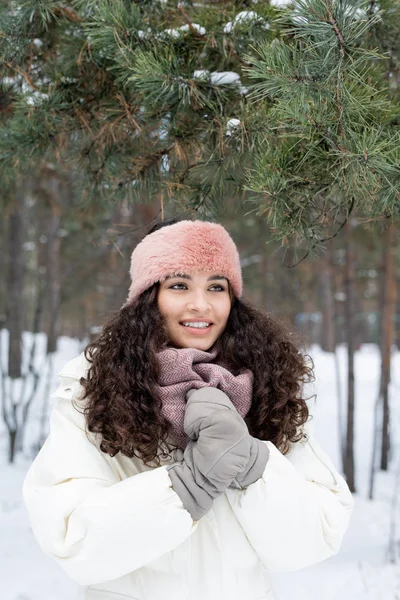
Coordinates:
119	529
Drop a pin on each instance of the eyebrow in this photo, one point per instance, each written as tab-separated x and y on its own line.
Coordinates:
185	276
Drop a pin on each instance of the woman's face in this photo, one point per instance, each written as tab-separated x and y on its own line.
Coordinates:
196	308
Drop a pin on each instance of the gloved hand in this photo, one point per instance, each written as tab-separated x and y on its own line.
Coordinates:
259	452
259	455
220	448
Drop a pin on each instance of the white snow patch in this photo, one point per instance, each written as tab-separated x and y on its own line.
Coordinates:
29	246
359	14
231	125
35	98
280	3
143	34
172	32
224	77
201	74
245	15
220	78
178	31
9	80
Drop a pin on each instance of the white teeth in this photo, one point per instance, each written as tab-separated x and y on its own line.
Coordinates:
199	324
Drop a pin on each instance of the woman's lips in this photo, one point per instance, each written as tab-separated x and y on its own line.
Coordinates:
197	330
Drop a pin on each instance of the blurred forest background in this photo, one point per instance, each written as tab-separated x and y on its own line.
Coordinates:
76	269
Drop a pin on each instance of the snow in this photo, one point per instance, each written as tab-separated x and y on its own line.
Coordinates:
29	246
220	78
242	17
358	14
359	572
184	29
34	98
8	80
144	34
228	27
224	77
26	573
231	125
280	3
201	74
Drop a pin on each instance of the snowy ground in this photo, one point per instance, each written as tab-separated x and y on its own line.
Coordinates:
359	571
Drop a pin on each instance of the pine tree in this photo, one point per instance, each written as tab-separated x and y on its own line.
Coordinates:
139	98
330	146
210	107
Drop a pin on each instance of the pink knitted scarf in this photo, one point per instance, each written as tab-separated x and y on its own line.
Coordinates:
183	369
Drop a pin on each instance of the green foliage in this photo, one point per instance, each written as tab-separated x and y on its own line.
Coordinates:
290	113
329	144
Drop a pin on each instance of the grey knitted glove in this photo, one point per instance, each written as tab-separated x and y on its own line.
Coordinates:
259	455
218	450
259	452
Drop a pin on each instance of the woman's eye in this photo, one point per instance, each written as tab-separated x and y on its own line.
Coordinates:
178	286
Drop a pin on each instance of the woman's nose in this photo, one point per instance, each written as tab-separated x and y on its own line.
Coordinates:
198	302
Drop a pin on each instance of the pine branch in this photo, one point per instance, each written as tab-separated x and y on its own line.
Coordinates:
69	12
195	32
332	21
26	76
326	239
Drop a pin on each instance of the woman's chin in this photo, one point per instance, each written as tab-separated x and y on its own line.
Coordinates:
196	344
198	339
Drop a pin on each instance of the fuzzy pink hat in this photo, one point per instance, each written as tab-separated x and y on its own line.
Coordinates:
184	246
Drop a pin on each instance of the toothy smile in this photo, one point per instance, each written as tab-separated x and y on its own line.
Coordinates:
196	324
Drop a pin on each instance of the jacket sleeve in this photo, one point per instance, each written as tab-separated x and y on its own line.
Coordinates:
95	525
297	513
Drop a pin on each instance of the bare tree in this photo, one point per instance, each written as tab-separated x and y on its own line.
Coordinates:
328	308
349	468
11	381
50	191
381	423
388	311
20	381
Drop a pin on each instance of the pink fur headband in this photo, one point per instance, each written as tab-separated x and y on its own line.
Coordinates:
184	246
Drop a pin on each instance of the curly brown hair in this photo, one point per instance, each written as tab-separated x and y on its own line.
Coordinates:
122	404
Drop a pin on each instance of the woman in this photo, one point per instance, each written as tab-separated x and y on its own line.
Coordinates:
180	463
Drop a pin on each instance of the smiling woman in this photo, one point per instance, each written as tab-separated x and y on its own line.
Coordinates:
195	307
181	464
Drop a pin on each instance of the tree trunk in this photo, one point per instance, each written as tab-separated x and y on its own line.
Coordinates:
15	316
51	190
12	438
349	318
332	339
15	312
340	419
328	309
53	273
387	337
3	263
